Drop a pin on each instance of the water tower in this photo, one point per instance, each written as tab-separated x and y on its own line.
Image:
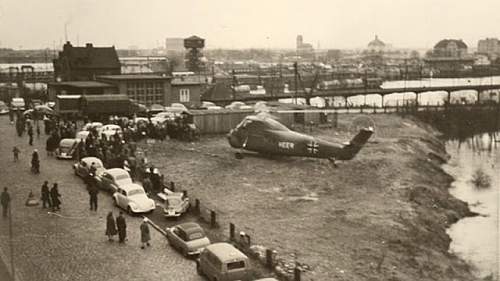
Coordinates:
194	44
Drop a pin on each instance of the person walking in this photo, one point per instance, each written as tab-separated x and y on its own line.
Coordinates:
30	134
145	235
93	191
45	195
35	162
110	226
54	196
5	201
121	224
16	151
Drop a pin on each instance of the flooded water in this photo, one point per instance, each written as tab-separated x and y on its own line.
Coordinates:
476	239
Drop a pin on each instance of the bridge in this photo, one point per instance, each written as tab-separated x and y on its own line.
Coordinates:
350	92
28	77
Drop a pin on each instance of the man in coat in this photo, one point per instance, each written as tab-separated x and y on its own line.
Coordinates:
110	226
121	224
54	196
5	201
93	191
45	195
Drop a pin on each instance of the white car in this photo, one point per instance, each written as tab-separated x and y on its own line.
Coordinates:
163	117
66	149
93	125
132	198
235	105
82	135
178	105
175	203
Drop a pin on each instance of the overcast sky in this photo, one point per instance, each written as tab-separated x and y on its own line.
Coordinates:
247	23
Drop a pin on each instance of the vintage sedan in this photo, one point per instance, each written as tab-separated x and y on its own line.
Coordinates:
82	168
188	238
66	149
132	198
176	203
4	109
113	178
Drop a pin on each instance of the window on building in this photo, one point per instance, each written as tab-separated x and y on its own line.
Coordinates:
184	95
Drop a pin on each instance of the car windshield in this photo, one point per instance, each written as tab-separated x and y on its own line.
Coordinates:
174	202
122	177
135	192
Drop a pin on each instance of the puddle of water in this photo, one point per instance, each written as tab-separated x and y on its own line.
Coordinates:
476	239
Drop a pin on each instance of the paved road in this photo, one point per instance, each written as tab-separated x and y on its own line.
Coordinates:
72	245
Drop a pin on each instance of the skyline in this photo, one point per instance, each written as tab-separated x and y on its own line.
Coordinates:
335	24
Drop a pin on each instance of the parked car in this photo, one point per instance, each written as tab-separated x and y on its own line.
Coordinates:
82	168
235	105
93	125
113	178
223	262
188	238
178	105
18	104
82	135
176	203
207	104
132	198
163	117
66	149
4	109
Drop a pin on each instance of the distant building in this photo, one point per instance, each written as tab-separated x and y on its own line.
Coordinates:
489	47
450	48
448	56
376	45
187	90
145	89
85	63
304	49
174	45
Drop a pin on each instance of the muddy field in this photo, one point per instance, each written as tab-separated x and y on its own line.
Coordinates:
381	216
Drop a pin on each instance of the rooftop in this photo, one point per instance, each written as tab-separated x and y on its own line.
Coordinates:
83	84
444	43
90	56
135	77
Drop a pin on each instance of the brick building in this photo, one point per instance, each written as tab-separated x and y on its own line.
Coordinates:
85	63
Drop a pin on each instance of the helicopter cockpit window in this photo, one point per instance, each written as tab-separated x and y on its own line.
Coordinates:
244	124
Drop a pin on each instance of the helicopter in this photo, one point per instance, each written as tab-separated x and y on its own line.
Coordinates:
263	134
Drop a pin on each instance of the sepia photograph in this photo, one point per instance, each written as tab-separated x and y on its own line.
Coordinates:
250	140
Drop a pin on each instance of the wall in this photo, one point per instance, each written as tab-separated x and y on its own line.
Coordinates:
194	95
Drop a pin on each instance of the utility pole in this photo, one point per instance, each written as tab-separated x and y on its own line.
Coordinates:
296	75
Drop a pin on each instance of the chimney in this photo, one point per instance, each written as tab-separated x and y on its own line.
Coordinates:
89	45
67	46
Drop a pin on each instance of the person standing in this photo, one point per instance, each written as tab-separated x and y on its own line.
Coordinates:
45	195
16	151
5	201
145	235
35	162
110	226
54	196
93	191
30	134
121	224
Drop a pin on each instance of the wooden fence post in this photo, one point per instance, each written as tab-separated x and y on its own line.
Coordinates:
197	206
296	273
231	231
269	258
213	219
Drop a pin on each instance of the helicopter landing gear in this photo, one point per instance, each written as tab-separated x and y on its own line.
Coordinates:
332	161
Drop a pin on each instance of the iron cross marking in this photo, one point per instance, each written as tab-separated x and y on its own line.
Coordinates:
313	147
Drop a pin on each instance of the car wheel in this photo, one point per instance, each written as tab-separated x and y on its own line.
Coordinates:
129	210
185	253
115	201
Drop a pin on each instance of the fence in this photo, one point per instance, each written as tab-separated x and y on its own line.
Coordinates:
285	270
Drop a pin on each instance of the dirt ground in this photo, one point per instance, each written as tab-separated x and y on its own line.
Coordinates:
381	216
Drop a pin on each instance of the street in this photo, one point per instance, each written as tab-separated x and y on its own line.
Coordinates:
71	244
